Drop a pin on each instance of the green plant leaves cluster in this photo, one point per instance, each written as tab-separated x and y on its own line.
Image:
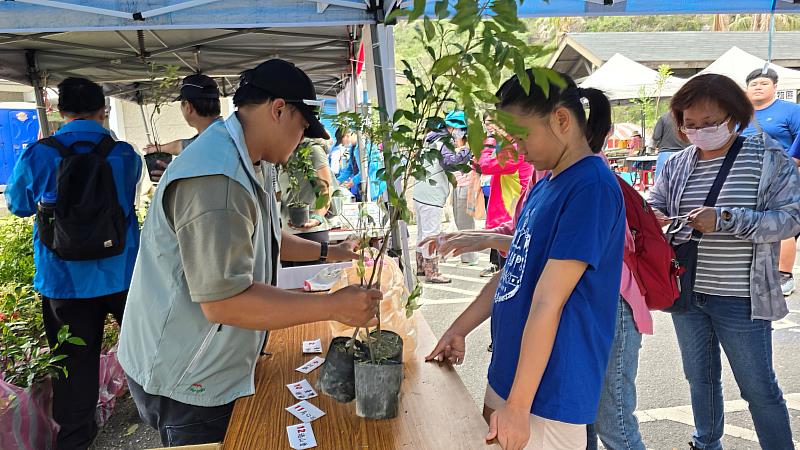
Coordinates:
299	170
25	358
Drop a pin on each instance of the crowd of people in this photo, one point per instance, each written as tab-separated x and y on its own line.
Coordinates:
194	290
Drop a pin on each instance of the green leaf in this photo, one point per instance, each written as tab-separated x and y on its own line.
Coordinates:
417	11
396	14
486	97
131	429
440	7
541	80
522	74
430	30
75	340
444	64
63	334
321	201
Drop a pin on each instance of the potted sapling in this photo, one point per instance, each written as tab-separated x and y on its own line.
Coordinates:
299	169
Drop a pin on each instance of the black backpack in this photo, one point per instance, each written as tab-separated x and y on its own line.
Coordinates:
87	221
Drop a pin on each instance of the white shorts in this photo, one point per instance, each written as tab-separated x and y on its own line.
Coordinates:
546	434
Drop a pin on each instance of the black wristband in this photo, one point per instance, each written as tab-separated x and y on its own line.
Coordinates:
323	251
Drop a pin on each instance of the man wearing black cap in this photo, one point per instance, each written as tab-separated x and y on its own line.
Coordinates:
781	120
203	292
200	107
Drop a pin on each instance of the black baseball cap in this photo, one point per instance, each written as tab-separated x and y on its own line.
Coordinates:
198	86
284	80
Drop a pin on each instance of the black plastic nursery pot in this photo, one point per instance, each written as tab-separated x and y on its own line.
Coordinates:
337	376
378	380
298	215
151	160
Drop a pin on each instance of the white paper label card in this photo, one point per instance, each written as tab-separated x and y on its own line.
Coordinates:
312	346
311	365
305	411
301	436
302	390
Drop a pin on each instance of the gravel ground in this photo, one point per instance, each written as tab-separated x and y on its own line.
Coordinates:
125	430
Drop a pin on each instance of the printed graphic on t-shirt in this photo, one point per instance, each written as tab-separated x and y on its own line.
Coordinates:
515	265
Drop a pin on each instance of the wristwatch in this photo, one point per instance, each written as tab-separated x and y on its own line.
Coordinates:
323	251
726	215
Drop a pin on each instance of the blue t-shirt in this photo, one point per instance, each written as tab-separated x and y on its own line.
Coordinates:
579	215
794	152
781	120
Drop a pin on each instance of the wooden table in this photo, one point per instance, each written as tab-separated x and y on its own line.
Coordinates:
436	411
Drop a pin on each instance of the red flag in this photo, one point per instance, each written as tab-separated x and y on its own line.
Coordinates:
360	60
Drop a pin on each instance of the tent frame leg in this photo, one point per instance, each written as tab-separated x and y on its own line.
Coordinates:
38	90
383	61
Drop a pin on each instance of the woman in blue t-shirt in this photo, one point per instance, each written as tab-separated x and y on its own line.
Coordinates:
553	313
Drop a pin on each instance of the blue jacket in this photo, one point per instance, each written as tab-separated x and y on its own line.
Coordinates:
35	174
375	161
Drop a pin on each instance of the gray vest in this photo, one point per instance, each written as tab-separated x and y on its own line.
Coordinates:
167	345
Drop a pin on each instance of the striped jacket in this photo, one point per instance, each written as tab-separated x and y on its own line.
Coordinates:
776	217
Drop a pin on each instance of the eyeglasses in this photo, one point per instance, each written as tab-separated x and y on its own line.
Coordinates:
705	129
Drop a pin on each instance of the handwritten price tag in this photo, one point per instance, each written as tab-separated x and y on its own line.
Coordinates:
312	346
311	365
302	390
301	436
305	411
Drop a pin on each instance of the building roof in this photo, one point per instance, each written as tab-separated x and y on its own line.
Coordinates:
580	53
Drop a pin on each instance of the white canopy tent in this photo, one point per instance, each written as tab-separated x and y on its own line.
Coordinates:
737	64
622	78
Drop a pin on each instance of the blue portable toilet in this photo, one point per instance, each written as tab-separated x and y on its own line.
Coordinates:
328	109
19	128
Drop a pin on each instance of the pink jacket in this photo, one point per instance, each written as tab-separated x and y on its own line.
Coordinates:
510	178
628	288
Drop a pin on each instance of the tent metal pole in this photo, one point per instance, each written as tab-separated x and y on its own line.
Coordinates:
79	8
146	127
38	91
383	60
174	8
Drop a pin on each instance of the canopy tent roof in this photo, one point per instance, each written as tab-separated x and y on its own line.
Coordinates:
624	79
111	42
737	64
93	15
102	39
114	57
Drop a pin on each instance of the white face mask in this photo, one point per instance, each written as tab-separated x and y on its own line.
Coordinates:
459	133
709	138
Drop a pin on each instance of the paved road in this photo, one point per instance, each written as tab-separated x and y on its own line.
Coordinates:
664	401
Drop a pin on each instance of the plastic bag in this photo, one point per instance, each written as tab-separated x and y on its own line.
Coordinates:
26	418
112	385
395	295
